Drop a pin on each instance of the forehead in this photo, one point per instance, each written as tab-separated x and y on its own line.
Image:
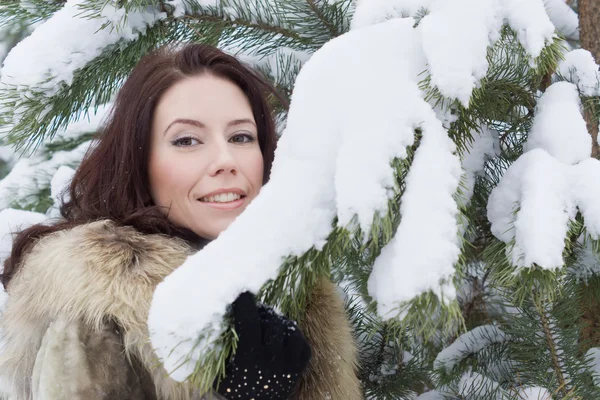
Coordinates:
206	98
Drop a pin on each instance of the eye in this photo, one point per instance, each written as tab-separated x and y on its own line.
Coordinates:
242	138
185	141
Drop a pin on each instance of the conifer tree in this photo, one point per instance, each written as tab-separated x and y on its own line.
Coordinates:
512	321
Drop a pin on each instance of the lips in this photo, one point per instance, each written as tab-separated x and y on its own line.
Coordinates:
233	190
224	199
232	205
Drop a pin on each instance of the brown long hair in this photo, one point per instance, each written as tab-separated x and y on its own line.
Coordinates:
112	181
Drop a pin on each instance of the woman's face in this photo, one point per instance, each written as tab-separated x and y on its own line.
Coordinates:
205	161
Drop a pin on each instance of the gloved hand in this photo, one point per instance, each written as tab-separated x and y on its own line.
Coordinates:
271	355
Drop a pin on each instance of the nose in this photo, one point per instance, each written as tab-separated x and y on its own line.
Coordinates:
224	161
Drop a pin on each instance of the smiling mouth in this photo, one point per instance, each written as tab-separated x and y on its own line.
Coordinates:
223	198
224	201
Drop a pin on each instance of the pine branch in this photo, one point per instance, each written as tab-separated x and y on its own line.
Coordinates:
38	117
333	29
552	346
29	13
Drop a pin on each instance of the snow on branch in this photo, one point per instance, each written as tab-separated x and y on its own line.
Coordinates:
456	34
330	161
580	68
543	189
34	174
468	343
563	17
66	42
344	129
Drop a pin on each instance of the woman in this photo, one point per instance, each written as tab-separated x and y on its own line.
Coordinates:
188	145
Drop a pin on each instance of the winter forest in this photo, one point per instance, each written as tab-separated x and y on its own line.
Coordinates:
438	160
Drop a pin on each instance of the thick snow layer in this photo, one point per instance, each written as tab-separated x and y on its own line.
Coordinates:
406	267
553	179
369	12
548	193
531	22
580	68
457	33
372	123
559	127
536	183
68	41
563	17
468	343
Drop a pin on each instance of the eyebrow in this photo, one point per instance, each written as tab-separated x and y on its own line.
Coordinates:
199	124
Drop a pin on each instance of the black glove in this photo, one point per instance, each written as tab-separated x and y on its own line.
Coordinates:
271	355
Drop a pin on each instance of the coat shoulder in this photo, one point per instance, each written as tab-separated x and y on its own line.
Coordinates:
93	274
94	270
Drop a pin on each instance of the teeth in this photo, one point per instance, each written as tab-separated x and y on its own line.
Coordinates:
221	198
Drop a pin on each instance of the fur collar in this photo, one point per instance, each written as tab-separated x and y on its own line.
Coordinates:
102	272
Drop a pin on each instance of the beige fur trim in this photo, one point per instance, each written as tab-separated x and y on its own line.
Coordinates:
91	273
332	370
99	272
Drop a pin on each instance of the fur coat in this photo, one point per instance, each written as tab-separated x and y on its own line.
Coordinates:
74	326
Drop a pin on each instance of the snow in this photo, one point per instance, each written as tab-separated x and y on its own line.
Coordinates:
432	395
537	184
548	193
468	343
531	22
559	127
474	386
311	184
587	264
563	17
12	221
429	210
534	393
31	175
485	144
457	33
553	179
58	188
7	154
369	12
594	354
66	42
350	177
580	68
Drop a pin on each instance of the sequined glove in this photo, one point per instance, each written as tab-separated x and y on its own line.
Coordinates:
271	355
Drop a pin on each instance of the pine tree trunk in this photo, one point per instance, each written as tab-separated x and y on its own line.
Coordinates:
589	31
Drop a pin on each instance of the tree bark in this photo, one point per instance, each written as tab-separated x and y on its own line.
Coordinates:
589	33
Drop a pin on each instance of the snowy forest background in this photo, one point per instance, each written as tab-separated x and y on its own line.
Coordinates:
463	187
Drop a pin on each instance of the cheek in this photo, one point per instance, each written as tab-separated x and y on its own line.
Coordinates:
256	169
167	178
